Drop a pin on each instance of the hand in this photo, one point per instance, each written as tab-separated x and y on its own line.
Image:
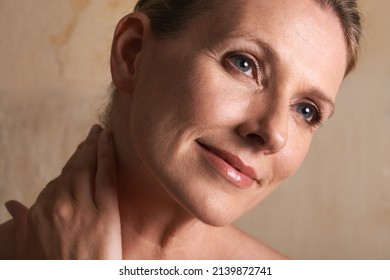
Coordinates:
76	216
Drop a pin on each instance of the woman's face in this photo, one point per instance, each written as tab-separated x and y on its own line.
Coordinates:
223	113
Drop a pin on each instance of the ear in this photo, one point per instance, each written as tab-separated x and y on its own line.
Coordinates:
129	40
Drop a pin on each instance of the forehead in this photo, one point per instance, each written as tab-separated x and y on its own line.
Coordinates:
300	33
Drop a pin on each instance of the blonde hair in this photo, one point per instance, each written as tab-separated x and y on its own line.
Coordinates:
169	17
351	22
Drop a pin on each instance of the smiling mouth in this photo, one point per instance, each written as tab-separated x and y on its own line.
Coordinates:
229	166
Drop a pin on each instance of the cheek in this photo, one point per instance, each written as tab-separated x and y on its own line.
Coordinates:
215	101
291	157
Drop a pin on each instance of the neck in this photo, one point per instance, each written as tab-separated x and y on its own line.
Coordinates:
154	225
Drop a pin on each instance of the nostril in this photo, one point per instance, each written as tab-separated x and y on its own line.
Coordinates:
256	138
268	135
270	144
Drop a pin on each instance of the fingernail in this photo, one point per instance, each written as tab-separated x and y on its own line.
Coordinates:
8	205
95	129
105	136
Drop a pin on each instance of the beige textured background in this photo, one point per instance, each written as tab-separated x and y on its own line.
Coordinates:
54	74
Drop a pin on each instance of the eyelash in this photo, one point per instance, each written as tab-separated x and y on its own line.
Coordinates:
255	66
317	120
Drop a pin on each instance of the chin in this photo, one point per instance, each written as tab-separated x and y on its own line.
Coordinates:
212	211
216	221
201	194
216	218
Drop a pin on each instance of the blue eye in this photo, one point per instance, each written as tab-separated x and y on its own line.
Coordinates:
244	64
308	112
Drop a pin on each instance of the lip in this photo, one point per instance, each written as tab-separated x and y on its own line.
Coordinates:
229	166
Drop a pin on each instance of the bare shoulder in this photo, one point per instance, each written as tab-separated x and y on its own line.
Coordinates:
239	245
7	240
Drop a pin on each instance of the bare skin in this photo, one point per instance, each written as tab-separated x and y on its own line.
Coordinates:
82	201
235	84
21	239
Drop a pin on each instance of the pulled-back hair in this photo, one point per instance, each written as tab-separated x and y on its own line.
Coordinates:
350	18
168	17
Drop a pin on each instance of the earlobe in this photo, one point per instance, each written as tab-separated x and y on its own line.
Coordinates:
129	40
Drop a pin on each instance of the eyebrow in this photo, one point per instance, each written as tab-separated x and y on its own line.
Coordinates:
274	55
266	47
259	42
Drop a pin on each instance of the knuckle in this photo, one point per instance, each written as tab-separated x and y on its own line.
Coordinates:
105	182
82	168
82	171
62	211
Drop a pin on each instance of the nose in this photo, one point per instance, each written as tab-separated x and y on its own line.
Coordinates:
267	130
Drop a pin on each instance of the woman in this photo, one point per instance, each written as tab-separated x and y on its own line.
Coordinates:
216	103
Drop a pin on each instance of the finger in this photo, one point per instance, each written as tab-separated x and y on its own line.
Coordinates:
88	149
92	136
106	197
17	210
82	186
84	168
20	213
72	159
47	195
